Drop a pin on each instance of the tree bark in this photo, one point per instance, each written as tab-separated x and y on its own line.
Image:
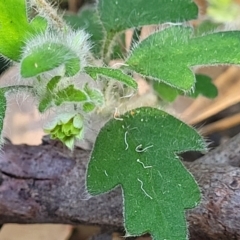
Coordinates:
46	184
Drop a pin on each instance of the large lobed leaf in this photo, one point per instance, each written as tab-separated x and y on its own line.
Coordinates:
138	151
119	15
170	54
15	27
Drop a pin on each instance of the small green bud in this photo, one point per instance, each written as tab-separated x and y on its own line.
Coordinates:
67	127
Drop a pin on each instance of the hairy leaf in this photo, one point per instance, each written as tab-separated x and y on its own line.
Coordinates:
89	97
120	15
116	74
45	103
52	84
170	54
48	56
203	86
139	153
69	94
16	27
88	107
95	96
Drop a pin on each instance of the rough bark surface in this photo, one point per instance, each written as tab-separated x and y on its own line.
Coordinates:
40	184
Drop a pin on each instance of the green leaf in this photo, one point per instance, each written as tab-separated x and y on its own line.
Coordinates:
3	105
170	54
117	74
139	153
120	15
166	92
88	107
52	84
94	95
16	28
88	19
47	101
90	97
204	87
48	56
69	94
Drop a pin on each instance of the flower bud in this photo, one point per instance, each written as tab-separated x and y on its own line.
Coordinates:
67	127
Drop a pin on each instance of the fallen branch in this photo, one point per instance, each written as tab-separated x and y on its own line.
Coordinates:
42	184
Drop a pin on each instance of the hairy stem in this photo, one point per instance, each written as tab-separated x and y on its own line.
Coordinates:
107	47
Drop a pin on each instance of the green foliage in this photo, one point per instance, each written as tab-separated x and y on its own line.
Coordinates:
56	55
69	94
142	159
203	86
94	96
46	101
66	127
142	156
117	16
88	98
169	55
116	74
16	27
52	84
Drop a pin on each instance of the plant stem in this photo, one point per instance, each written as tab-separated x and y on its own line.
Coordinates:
107	47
